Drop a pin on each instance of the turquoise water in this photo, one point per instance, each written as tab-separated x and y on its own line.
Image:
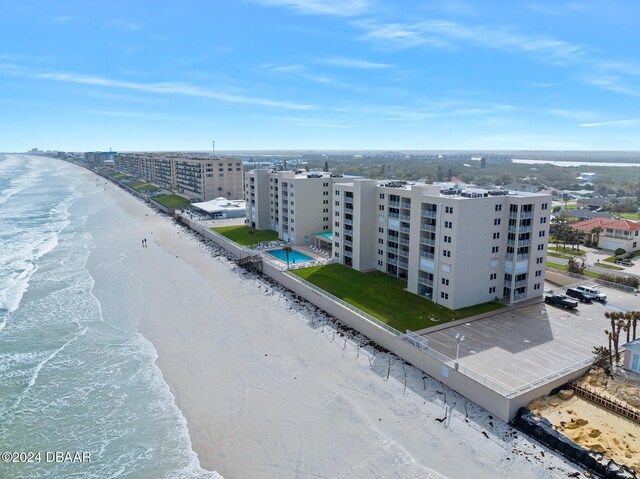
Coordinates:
294	256
74	373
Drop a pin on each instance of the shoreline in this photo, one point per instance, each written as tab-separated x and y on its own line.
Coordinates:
270	388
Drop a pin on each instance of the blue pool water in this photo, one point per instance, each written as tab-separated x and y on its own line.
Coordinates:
294	256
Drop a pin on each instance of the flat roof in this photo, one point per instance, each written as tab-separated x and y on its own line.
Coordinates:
328	235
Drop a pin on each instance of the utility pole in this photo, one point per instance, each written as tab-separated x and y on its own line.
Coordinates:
214	147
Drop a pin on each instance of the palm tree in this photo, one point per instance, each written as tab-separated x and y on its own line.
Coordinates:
617	326
287	250
219	191
595	234
251	231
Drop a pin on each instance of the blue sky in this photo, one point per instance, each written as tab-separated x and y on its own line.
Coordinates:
319	74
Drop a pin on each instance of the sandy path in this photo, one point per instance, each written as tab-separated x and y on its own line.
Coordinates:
270	389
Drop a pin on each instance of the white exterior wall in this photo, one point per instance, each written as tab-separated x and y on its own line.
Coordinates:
257	197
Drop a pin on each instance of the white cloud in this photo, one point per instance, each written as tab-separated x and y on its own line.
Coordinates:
169	88
612	122
341	8
354	63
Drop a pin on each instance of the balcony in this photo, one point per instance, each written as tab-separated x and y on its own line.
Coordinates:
405	217
428	213
425	281
426	254
405	229
347	242
403	264
521	229
348	222
404	253
348	253
392	249
404	241
348	210
394	203
392	261
519	257
406	206
521	243
394	215
428	241
521	283
393	238
427	227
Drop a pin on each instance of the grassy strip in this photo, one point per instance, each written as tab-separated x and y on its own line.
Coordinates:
119	176
629	216
609	266
567	250
240	234
563	267
385	298
172	201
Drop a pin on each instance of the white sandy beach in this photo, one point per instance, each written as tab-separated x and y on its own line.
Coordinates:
270	389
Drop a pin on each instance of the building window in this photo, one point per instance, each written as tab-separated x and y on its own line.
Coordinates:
337	255
496	235
538	260
446	253
337	203
492	289
447	239
444	295
380	263
540	247
494	249
337	213
337	192
543	220
445	282
380	252
544	206
381	207
498	207
538	273
536	286
448	209
496	222
541	234
448	224
382	196
337	224
380	230
380	240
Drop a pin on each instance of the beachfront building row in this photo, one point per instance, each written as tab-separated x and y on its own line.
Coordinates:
199	179
457	246
297	205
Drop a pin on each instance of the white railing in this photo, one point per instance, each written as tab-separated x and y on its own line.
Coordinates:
428	213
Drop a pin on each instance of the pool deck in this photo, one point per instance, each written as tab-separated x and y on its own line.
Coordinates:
522	346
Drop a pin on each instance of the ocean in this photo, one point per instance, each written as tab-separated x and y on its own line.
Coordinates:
75	375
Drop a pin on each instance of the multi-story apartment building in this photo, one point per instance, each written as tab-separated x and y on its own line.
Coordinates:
456	247
203	179
295	204
200	179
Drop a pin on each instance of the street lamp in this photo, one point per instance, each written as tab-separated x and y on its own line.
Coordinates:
459	339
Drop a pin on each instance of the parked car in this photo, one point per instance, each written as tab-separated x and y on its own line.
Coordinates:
579	295
561	300
594	293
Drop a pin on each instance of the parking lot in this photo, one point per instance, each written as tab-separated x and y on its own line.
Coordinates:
522	346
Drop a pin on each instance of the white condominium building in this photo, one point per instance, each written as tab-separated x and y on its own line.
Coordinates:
456	247
297	205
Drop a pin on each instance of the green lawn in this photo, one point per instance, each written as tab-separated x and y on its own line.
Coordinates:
564	268
565	251
384	297
629	216
609	266
142	186
119	176
239	234
612	259
172	201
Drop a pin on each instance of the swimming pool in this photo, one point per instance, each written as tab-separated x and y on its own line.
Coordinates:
294	256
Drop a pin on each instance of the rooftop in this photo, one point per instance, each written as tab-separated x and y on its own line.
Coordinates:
588	225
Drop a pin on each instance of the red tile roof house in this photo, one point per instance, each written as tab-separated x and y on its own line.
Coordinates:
632	356
615	234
